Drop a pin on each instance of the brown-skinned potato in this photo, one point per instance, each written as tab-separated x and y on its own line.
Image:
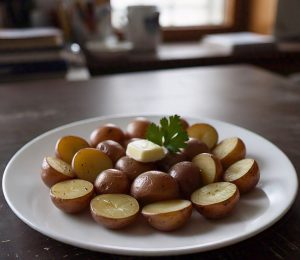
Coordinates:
107	132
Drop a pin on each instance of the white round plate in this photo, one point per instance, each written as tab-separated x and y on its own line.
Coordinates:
29	198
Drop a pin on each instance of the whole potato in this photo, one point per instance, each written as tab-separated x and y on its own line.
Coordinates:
137	128
107	132
112	181
169	160
112	149
154	186
133	168
194	147
188	177
184	123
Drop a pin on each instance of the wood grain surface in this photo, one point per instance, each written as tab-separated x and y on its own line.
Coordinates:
243	95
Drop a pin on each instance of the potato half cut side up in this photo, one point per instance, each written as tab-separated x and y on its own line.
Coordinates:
114	211
244	174
72	196
216	200
205	133
168	215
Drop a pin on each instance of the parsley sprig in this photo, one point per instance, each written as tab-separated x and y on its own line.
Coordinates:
169	133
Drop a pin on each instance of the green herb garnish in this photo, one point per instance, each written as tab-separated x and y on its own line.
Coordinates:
169	134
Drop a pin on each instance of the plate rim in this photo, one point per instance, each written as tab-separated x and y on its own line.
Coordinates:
120	250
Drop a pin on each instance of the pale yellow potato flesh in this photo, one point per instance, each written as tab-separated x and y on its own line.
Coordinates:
166	206
238	169
114	206
71	189
205	133
224	148
213	193
59	165
207	166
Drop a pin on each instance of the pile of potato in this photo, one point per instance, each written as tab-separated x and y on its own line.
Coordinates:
207	175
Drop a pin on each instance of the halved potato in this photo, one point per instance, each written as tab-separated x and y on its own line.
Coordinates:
72	196
87	163
216	200
205	133
55	170
168	215
67	146
229	151
114	211
210	167
244	174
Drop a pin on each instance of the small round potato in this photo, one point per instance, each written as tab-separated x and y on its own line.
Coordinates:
112	149
229	151
154	186
184	123
114	211
205	133
244	174
112	181
72	196
55	170
67	146
169	160
87	163
107	132
188	177
138	128
216	200
168	215
194	147
133	168
210	166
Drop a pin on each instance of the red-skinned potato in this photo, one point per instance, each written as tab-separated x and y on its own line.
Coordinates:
72	196
216	200
185	125
138	128
55	170
114	211
229	151
107	132
67	146
168	215
193	148
210	166
169	160
112	149
244	174
154	186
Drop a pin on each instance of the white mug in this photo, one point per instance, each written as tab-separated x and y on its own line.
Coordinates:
143	27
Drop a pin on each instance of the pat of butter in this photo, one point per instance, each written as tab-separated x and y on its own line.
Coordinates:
145	151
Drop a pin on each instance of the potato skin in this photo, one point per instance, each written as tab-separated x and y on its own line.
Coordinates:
169	221
169	160
107	132
137	128
112	149
133	168
185	125
112	181
50	176
219	210
72	206
248	181
194	147
154	186
188	177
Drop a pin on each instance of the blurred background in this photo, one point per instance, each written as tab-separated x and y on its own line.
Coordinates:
94	37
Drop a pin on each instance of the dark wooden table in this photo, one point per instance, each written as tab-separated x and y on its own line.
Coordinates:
262	102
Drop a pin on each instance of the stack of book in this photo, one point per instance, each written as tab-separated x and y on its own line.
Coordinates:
31	53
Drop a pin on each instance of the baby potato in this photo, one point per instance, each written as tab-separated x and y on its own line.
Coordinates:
112	149
138	128
107	132
169	160
210	166
168	215
229	151
55	170
154	186
67	146
205	133
114	211
216	200
72	196
184	123
244	174
87	163
194	147
112	181
188	177
133	168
